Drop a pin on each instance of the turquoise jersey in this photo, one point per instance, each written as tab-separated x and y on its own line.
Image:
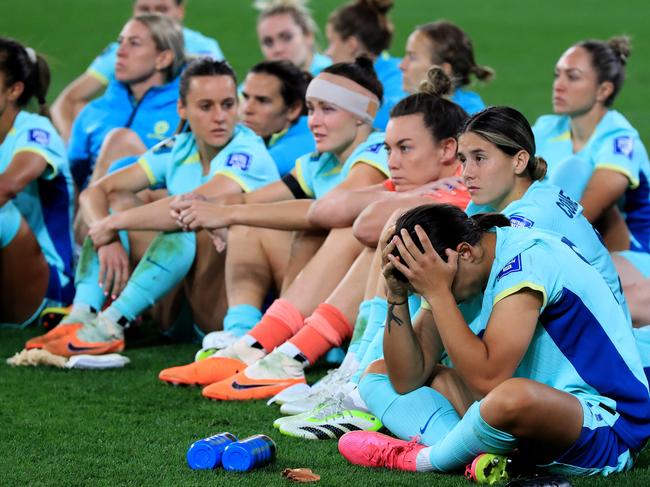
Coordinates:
318	173
318	63
614	145
196	44
582	344
176	163
388	72
546	207
46	203
287	146
468	100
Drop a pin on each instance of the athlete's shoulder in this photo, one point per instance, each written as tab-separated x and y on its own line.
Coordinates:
199	44
549	125
374	143
469	101
31	128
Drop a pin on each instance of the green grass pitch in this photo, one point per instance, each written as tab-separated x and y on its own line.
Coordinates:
124	427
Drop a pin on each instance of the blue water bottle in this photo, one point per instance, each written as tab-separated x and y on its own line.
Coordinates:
206	454
249	453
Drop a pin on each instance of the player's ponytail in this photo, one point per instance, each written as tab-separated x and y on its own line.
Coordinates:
24	65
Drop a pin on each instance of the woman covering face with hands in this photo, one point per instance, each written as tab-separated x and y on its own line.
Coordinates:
534	380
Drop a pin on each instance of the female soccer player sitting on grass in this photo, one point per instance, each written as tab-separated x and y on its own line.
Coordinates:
36	193
444	44
274	107
596	156
218	157
263	250
102	70
422	149
138	109
495	150
555	373
362	28
287	31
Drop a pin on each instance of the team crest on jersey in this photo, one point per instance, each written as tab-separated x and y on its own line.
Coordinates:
375	148
39	136
161	127
519	221
239	160
513	266
624	146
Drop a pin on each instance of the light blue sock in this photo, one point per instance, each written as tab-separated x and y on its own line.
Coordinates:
360	325
470	437
423	412
241	318
165	263
86	278
376	320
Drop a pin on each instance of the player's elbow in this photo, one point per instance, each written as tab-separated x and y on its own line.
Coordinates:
327	214
367	226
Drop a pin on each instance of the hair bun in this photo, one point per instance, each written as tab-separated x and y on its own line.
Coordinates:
438	83
621	46
364	63
381	6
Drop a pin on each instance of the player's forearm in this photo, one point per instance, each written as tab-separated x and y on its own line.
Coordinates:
282	215
93	204
402	350
340	210
154	216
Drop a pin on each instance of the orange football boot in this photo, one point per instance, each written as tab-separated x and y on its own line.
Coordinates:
55	333
69	345
203	372
265	378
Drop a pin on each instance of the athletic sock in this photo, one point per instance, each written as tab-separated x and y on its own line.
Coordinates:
360	325
376	320
374	350
280	322
241	318
327	327
86	279
470	437
165	263
423	412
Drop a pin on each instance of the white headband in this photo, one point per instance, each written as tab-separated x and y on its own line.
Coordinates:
31	54
362	105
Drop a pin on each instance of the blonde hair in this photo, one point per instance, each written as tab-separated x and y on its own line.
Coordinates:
167	35
297	9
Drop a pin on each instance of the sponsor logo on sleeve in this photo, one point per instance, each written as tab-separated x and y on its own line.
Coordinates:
511	267
624	146
39	136
375	148
240	160
520	221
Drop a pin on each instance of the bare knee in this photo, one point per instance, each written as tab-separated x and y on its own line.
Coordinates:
376	367
506	404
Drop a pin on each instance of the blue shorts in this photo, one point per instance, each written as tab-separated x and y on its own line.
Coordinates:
10	219
598	450
640	260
